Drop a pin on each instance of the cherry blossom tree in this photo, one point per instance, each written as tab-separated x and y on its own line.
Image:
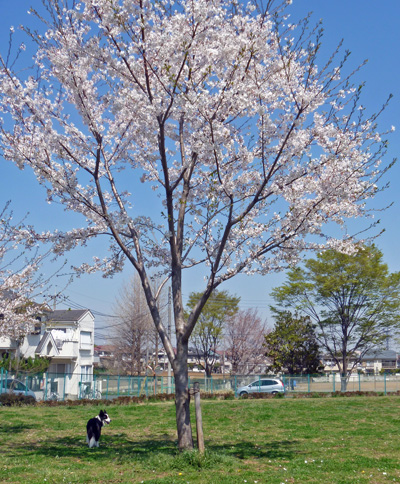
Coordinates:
244	341
251	151
21	283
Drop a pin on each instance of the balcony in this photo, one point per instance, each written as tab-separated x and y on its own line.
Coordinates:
68	349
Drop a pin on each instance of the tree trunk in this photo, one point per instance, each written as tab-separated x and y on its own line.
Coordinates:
343	382
343	375
185	438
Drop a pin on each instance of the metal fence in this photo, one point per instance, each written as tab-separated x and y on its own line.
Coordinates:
51	386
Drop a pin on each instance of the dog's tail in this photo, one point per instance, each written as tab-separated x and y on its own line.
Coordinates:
90	439
91	442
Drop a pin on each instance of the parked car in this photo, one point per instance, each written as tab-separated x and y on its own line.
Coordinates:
262	386
11	385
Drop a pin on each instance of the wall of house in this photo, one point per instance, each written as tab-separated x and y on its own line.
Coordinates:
70	344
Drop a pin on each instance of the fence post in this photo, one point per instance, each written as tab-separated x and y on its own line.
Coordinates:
94	387
63	396
384	380
359	381
334	381
308	382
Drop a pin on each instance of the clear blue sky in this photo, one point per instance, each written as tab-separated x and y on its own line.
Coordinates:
370	30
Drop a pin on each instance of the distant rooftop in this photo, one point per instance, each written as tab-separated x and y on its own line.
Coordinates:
381	354
63	315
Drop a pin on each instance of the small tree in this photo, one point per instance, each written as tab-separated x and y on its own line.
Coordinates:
244	340
219	109
353	300
208	334
292	345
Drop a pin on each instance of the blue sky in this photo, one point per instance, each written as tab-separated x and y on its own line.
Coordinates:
370	31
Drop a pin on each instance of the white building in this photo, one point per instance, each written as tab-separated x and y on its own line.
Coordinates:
67	337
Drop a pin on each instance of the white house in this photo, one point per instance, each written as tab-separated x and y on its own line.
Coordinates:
67	337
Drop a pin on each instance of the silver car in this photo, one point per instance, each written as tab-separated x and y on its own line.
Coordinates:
11	385
265	385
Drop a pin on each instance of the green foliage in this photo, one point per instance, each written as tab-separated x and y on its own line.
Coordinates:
217	309
292	344
27	365
209	329
353	300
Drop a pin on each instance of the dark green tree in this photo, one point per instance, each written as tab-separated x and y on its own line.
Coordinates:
292	344
208	333
352	299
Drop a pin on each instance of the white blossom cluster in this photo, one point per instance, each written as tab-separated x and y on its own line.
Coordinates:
20	281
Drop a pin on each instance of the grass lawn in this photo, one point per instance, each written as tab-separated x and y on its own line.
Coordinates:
327	440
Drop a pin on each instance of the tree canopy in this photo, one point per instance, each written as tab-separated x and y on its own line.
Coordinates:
292	345
214	113
209	332
353	299
244	336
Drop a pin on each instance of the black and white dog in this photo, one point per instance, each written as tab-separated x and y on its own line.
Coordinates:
93	428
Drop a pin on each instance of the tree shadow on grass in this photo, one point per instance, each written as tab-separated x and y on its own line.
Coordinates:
277	449
13	429
119	447
111	447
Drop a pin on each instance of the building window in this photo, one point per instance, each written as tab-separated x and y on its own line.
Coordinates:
86	340
86	373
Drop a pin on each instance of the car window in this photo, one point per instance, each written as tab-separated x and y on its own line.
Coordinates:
15	385
255	384
268	382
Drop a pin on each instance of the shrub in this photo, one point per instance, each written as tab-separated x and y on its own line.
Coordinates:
16	400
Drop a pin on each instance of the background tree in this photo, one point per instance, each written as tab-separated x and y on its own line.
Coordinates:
131	328
244	339
133	334
353	300
292	345
208	334
244	146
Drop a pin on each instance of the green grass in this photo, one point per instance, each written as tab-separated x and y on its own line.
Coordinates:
326	441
